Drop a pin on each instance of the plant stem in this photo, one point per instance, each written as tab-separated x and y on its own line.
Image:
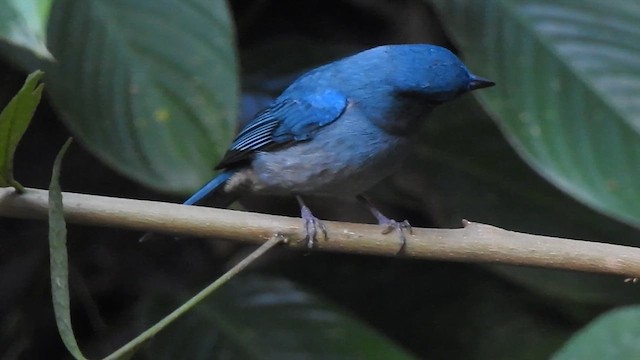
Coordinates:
152	331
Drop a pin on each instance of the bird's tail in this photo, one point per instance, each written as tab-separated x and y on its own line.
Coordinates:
214	187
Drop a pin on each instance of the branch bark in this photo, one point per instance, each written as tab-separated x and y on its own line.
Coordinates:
473	243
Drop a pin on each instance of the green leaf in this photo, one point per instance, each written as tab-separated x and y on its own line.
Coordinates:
612	336
24	23
59	259
567	82
150	87
14	120
258	317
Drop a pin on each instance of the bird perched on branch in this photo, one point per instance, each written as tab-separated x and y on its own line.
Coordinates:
341	128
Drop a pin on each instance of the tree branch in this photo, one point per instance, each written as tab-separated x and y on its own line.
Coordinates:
472	243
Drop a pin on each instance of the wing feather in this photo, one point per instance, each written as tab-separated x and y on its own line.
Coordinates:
285	122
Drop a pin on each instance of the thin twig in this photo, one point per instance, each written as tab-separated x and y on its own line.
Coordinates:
175	314
472	243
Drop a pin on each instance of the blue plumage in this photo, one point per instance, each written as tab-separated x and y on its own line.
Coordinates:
209	188
341	128
285	121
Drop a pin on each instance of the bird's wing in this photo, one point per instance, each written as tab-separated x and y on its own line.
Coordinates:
286	121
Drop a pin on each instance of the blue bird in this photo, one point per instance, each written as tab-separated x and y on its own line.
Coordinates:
341	128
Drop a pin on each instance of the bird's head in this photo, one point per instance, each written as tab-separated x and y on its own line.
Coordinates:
429	72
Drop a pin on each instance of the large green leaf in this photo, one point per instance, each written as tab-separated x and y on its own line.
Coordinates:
613	336
24	22
568	78
148	86
258	317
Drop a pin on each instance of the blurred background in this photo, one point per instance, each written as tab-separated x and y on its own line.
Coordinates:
153	92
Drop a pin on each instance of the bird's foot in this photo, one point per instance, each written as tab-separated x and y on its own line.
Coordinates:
390	225
311	225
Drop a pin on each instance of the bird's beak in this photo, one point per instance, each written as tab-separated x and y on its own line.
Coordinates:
477	82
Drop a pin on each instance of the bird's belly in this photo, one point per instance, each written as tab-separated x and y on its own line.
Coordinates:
333	163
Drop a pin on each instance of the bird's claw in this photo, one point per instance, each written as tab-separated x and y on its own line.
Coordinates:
311	226
391	225
394	225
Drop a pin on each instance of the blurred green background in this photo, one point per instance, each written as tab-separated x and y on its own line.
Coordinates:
153	91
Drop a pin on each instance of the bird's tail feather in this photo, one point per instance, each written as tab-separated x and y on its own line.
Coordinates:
210	188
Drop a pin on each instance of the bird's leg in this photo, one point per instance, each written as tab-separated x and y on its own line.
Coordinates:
388	224
311	224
